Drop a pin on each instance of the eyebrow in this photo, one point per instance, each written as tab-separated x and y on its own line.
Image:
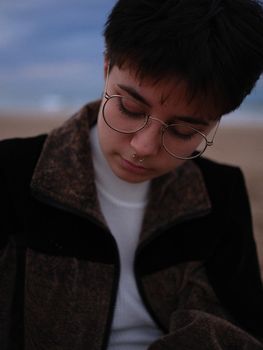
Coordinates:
187	119
132	92
192	120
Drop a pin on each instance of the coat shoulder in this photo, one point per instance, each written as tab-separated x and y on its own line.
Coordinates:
216	173
19	155
222	180
213	167
18	158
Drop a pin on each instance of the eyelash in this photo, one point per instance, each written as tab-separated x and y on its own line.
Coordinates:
123	110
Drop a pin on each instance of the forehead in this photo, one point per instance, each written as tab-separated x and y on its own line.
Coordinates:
168	93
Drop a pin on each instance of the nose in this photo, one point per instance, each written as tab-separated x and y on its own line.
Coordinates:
147	142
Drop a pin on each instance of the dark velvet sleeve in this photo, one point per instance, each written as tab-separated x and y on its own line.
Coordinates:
233	269
7	220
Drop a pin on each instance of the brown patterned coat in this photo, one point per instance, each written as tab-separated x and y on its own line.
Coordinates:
196	264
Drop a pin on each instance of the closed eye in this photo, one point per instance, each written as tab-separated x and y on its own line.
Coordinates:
181	131
130	108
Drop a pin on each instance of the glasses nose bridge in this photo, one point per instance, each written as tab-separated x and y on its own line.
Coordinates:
163	124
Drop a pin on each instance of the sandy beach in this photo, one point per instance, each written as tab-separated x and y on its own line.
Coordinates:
240	145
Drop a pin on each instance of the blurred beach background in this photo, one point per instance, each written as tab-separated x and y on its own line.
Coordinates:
51	57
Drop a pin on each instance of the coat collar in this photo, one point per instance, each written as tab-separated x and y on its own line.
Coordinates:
64	177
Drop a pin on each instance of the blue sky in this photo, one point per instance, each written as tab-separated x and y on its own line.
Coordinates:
51	53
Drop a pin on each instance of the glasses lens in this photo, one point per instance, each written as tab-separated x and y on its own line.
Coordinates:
124	114
183	141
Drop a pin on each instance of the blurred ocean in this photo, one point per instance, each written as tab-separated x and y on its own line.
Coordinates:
51	56
51	52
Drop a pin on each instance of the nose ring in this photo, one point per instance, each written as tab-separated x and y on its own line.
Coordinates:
140	160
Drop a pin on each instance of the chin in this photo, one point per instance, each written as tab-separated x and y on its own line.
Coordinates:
131	178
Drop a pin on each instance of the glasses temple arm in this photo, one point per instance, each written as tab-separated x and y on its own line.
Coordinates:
210	143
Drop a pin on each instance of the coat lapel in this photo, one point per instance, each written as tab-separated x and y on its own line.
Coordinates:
175	197
64	174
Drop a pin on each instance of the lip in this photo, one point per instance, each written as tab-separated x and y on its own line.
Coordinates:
138	169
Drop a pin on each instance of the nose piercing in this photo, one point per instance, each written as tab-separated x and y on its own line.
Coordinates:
139	159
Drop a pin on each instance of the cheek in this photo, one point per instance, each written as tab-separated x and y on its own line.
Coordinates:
104	134
109	139
168	163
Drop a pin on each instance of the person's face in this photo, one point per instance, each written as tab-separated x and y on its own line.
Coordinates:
166	101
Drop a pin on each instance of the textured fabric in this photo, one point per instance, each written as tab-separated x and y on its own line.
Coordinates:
190	284
74	313
195	265
197	330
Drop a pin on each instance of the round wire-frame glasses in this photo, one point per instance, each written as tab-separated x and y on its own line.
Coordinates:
179	139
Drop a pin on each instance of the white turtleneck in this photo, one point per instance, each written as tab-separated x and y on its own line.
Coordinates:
123	205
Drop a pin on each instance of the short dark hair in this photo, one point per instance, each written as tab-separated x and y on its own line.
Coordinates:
215	46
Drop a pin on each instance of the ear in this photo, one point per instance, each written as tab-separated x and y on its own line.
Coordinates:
106	65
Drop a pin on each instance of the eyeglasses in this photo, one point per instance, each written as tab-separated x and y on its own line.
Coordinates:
125	115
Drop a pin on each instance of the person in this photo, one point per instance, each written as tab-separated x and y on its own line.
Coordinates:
116	232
